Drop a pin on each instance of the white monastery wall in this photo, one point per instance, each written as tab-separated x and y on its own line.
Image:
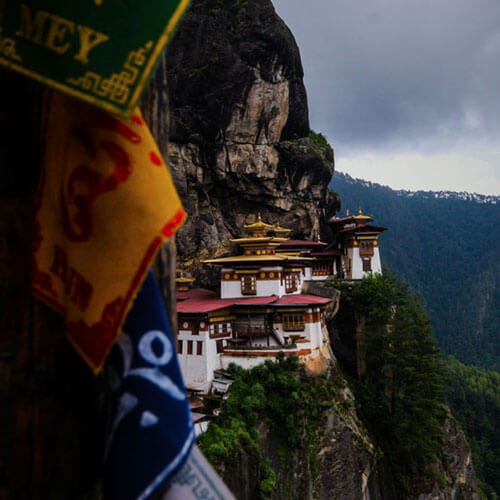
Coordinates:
197	370
356	263
266	288
376	262
230	290
313	334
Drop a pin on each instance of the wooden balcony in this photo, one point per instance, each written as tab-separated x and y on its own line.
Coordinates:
251	330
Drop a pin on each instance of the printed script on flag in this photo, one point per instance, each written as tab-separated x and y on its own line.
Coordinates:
106	204
101	51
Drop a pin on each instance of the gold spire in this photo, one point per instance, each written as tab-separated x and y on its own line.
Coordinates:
360	212
347	212
259	225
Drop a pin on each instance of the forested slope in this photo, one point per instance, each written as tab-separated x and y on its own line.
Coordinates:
474	397
447	246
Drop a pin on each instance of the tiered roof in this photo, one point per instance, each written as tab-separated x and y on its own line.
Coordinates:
355	223
260	245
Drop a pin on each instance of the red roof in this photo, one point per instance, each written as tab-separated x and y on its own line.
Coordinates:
255	301
208	303
203	305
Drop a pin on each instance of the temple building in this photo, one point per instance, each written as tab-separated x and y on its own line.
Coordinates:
356	242
262	307
259	312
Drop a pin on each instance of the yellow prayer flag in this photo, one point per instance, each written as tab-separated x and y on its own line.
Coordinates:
106	204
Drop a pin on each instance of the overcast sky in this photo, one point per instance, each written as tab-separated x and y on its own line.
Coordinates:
406	91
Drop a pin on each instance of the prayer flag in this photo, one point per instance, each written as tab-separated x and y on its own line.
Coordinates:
101	51
151	432
106	204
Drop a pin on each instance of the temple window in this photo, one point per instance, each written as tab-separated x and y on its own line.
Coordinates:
248	285
367	265
190	347
322	269
293	322
290	283
199	348
366	248
179	346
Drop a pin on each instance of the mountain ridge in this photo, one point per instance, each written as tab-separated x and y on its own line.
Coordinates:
447	248
446	194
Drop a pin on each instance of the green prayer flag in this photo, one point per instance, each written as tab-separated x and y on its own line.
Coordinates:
101	51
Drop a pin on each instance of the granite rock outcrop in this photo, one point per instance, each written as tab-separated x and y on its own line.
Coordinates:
239	129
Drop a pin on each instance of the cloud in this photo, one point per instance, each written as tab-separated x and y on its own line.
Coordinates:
444	172
401	77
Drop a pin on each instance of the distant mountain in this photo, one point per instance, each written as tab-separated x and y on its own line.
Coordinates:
447	246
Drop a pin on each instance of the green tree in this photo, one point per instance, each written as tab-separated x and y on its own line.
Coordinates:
400	394
474	398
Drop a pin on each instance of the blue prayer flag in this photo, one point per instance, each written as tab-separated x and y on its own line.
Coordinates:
151	431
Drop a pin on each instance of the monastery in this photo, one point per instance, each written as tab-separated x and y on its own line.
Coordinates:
263	307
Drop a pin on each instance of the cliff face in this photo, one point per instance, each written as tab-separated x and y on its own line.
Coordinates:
347	464
239	128
458	478
240	144
344	463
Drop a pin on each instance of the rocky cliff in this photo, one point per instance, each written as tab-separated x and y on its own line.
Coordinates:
239	128
240	144
341	461
457	476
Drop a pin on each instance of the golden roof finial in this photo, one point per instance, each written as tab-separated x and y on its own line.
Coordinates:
347	212
360	212
259	225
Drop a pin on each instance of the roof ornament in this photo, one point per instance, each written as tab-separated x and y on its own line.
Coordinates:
347	212
360	212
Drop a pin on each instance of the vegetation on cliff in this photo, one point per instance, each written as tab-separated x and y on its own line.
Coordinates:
474	398
400	390
280	396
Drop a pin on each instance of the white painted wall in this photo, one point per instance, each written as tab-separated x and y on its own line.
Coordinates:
376	261
265	288
230	290
357	263
198	371
308	276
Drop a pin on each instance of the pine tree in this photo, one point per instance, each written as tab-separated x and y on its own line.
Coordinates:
401	392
